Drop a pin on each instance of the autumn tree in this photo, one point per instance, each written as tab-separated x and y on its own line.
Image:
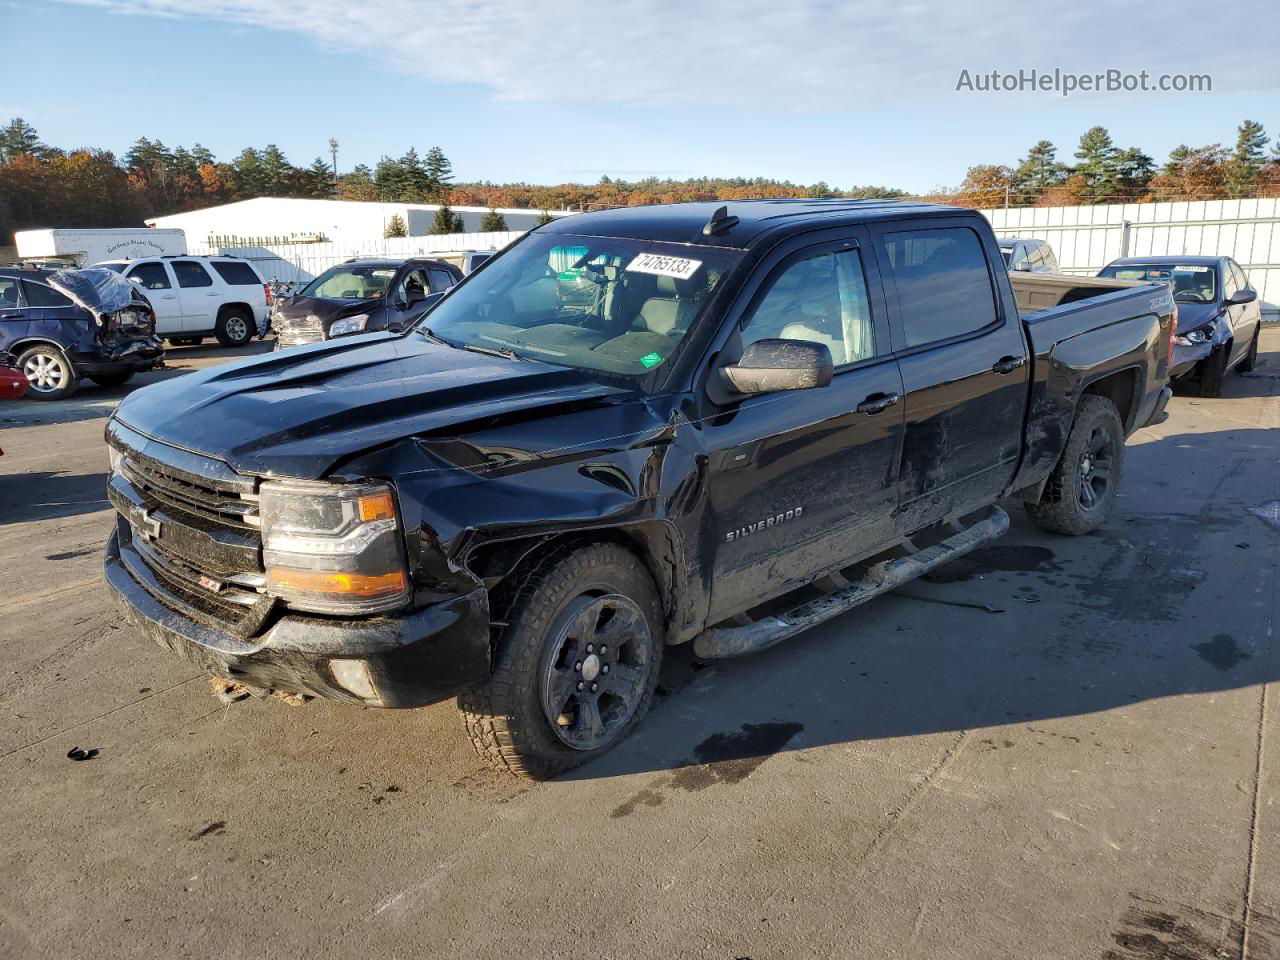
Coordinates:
395	227
985	186
358	184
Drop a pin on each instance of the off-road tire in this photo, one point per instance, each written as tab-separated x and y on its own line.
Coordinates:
31	357
1213	370
504	717
1059	509
235	328
112	379
1251	358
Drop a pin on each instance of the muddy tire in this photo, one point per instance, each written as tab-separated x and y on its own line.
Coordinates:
1081	491
1213	370
1251	358
50	373
112	379
575	661
235	327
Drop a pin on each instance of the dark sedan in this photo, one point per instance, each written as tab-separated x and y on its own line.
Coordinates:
1219	315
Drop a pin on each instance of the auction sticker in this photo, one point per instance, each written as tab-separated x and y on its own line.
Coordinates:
664	266
1191	268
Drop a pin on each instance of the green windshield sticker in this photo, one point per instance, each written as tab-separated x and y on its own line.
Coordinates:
651	359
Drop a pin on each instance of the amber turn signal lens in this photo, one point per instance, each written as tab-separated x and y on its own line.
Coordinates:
376	506
339	584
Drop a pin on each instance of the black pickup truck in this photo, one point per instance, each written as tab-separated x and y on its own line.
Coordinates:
633	428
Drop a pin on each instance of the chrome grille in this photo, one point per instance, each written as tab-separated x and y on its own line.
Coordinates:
296	331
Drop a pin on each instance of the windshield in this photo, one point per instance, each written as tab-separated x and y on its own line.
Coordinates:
598	303
114	267
1190	283
351	281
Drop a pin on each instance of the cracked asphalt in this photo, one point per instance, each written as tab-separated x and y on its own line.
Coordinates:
1057	748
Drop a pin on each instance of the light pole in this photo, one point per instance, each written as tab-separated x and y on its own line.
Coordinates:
333	151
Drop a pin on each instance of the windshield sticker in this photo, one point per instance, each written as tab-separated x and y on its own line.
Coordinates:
662	266
651	359
383	273
1191	269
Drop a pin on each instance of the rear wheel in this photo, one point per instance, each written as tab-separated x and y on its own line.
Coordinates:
1081	491
575	666
1213	370
1251	358
235	327
112	379
50	374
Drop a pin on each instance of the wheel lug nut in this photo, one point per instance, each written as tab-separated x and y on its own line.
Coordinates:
579	684
605	668
603	648
577	665
590	648
595	687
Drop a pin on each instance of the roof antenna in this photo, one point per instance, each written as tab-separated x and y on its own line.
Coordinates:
720	222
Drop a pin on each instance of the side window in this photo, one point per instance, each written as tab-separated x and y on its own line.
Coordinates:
413	285
8	293
1050	260
1241	280
943	286
237	273
191	274
1230	282
151	276
441	280
823	299
39	295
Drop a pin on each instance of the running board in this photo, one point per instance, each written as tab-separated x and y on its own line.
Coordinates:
737	641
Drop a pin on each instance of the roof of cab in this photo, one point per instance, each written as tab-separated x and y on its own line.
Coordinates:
683	222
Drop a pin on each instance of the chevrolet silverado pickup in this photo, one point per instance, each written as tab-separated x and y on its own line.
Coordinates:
632	428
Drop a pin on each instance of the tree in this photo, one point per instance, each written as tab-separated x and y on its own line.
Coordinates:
1037	172
249	173
19	138
1097	156
276	172
1134	170
358	184
396	227
1199	175
1247	159
439	171
985	186
544	217
1176	156
493	222
446	221
319	178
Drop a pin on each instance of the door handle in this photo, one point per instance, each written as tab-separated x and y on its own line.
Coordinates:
169	296
10	316
878	403
1008	364
213	294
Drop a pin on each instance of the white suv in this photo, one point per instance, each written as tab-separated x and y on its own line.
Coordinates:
197	297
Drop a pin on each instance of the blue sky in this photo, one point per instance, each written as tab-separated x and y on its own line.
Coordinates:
543	93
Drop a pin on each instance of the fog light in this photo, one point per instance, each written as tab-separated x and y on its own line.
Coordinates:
353	675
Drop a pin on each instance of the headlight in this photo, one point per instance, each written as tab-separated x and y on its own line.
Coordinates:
332	548
116	458
1193	338
347	325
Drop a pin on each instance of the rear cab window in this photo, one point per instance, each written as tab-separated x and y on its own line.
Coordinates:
942	281
236	273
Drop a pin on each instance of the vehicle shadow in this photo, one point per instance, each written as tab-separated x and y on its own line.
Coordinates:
1261	381
42	495
1032	628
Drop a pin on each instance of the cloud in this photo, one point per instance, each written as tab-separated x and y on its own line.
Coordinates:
794	54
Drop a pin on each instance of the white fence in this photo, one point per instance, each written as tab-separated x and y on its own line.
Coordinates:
302	261
1086	239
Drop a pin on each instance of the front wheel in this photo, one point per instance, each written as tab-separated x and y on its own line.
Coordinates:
1081	491
50	373
1251	358
234	328
1213	370
575	666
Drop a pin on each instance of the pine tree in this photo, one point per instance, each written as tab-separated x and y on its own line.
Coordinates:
389	176
1097	156
446	221
276	171
1247	159
19	138
1134	170
1038	171
415	182
249	174
1177	157
358	184
395	227
493	222
319	178
439	171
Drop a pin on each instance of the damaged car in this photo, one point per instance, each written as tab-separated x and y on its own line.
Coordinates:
764	414
360	296
1219	314
68	325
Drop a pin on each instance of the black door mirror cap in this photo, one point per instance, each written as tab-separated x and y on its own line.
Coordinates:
1241	297
771	365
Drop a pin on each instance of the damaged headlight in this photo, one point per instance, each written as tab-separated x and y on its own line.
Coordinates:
332	548
348	325
1193	338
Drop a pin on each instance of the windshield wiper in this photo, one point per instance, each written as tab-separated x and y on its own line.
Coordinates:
434	337
505	352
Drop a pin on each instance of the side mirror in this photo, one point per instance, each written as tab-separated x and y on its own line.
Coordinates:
769	365
1241	297
1022	266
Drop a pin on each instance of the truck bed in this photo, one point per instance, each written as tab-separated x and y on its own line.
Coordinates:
1040	291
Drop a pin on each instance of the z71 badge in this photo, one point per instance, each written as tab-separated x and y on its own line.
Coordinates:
764	524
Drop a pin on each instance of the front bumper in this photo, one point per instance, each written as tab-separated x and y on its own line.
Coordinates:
1185	358
413	659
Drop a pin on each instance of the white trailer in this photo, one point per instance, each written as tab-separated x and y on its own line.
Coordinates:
85	247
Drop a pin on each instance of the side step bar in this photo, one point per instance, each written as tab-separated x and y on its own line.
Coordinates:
737	641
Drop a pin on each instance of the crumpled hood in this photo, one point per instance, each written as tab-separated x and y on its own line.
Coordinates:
326	309
1193	315
297	412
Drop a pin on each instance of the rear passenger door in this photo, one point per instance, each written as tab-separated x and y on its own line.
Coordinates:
963	359
13	312
803	481
156	282
199	296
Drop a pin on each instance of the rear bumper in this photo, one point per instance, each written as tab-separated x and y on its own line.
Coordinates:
411	660
139	354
